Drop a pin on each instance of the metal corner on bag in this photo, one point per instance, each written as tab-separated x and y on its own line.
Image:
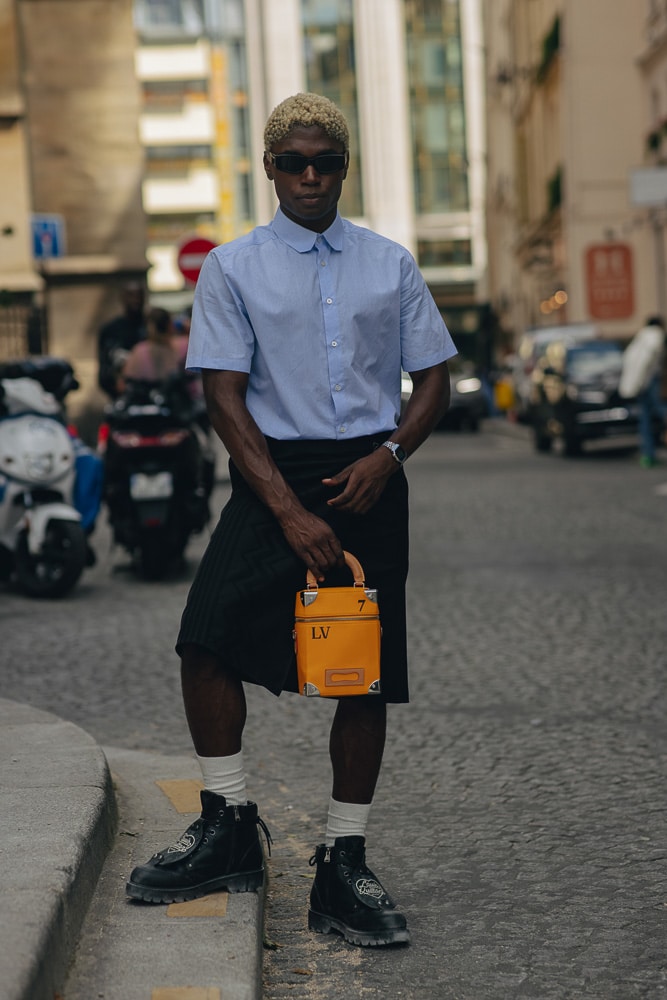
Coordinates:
374	688
311	690
372	595
308	596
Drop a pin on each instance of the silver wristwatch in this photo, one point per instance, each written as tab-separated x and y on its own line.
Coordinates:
399	453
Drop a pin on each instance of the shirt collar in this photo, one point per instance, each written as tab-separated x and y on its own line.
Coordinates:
302	239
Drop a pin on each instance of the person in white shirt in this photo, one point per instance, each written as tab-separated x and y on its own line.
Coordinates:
641	377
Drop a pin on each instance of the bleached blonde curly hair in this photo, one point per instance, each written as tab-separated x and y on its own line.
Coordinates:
306	110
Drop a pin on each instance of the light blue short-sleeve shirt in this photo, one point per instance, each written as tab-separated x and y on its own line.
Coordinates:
321	323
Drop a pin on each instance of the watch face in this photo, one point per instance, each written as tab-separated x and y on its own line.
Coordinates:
399	453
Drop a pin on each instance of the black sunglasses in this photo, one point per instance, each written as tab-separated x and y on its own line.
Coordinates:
295	163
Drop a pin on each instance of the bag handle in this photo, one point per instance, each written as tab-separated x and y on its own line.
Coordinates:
353	564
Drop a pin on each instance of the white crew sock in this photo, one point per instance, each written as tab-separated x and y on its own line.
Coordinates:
225	776
346	819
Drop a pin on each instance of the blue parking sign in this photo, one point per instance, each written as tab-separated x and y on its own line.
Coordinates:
48	236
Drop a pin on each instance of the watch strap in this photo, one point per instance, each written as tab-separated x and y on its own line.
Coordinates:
398	452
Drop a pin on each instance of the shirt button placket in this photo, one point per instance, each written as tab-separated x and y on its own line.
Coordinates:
331	328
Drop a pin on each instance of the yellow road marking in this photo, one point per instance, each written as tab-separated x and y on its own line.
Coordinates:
186	993
214	905
183	795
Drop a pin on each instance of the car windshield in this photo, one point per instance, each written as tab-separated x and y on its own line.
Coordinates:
589	363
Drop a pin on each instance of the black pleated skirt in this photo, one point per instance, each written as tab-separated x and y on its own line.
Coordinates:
241	603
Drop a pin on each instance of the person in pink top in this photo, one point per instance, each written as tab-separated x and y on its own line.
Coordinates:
155	358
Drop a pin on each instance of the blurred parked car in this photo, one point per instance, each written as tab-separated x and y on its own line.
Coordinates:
532	347
468	405
574	396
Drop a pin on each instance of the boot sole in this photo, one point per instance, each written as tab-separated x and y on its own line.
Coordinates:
245	882
322	924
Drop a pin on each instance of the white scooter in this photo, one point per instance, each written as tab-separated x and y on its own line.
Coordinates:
43	545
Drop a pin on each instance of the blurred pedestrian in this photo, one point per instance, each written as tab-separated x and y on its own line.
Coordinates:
301	329
182	324
156	357
641	376
119	336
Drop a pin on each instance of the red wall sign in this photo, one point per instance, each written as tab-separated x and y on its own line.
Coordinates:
191	256
610	281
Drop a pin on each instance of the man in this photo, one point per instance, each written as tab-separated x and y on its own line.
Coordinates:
641	376
119	336
301	329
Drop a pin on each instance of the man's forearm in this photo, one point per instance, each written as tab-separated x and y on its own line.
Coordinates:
247	447
427	405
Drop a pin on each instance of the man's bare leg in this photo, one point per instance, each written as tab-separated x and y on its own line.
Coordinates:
356	746
215	704
220	850
346	896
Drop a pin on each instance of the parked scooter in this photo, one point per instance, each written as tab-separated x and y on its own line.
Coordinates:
159	472
50	491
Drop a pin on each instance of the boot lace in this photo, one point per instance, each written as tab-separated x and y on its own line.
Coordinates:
265	830
320	854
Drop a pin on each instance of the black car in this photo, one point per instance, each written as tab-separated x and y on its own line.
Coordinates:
468	404
574	396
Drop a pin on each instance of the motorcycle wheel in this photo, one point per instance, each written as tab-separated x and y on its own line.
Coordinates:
54	570
155	555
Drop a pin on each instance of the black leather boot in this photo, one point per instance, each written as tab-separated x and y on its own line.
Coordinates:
220	850
347	897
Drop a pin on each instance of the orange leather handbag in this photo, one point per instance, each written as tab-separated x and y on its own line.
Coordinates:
337	637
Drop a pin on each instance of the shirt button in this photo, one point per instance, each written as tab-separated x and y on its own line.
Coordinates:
323	263
343	429
334	343
337	388
329	301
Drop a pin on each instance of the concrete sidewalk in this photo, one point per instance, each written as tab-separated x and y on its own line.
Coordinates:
74	820
57	823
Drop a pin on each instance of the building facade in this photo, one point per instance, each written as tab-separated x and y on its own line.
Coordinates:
72	217
649	188
567	125
20	282
133	125
408	75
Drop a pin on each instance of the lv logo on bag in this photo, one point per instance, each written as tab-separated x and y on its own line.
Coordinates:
337	637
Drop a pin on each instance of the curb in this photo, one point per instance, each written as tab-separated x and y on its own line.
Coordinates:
57	824
131	949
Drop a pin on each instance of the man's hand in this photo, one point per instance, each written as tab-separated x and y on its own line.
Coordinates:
363	482
313	541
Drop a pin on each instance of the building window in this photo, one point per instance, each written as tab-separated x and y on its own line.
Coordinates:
328	39
437	113
444	253
171	96
167	18
164	162
239	112
170	229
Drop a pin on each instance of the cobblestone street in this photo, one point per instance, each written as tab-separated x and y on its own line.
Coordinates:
520	816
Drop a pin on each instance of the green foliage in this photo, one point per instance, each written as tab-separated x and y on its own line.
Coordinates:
653	140
550	48
555	190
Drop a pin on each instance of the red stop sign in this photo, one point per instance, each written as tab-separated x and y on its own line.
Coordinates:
191	256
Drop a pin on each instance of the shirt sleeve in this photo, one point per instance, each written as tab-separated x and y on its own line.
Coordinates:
221	335
425	339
